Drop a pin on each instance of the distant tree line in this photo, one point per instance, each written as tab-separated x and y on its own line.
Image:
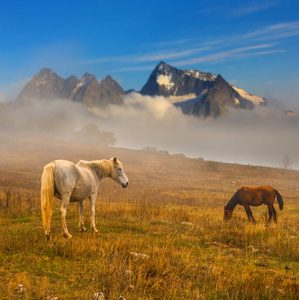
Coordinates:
91	134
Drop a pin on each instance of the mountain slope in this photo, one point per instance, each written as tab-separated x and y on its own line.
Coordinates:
220	96
68	86
45	85
111	92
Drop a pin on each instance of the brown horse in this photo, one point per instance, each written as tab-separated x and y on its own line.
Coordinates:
254	196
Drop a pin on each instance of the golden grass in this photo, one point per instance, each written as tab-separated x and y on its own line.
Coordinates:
172	212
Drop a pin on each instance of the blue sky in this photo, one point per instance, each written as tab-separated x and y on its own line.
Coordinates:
252	44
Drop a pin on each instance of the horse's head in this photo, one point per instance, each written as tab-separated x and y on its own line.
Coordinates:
227	214
118	174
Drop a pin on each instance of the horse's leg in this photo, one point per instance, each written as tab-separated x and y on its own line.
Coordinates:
273	211
249	213
247	209
270	214
92	202
64	205
81	213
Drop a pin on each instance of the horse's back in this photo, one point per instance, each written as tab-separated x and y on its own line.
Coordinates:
66	176
66	169
256	195
258	189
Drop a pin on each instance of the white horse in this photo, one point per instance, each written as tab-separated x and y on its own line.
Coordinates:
74	183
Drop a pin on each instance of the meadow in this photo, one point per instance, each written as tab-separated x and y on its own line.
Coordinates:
163	237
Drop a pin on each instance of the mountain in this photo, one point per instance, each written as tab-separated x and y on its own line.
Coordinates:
111	92
197	93
47	85
68	86
167	81
218	97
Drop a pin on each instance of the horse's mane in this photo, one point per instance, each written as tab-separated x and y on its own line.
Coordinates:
233	201
101	167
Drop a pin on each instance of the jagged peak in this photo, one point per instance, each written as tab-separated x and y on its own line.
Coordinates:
219	78
205	76
109	78
45	72
87	76
162	63
166	69
45	76
72	76
163	67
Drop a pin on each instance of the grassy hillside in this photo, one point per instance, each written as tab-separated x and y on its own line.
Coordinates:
161	238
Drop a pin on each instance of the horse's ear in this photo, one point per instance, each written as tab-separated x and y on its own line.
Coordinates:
114	160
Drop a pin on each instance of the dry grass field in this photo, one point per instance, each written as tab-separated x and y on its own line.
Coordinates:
161	238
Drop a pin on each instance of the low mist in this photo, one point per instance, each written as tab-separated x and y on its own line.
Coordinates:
262	136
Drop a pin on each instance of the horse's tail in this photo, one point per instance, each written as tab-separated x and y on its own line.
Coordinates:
279	199
47	196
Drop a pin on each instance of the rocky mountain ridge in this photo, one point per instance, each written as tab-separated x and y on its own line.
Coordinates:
166	81
204	94
195	93
47	85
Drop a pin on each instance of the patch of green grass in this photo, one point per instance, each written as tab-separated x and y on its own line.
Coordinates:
21	220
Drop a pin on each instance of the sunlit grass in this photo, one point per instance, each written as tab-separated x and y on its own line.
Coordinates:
161	238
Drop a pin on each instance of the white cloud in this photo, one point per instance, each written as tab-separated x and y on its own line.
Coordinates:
168	55
232	54
222	56
248	137
138	68
173	42
156	108
275	31
251	7
186	51
138	58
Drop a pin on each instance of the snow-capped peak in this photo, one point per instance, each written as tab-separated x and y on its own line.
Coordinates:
256	100
165	80
201	75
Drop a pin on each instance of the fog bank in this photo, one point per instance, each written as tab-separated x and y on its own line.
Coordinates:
259	137
262	136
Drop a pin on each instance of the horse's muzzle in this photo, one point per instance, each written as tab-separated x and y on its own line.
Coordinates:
124	185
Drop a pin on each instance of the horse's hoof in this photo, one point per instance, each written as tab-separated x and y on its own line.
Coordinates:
82	229
94	230
67	236
48	237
